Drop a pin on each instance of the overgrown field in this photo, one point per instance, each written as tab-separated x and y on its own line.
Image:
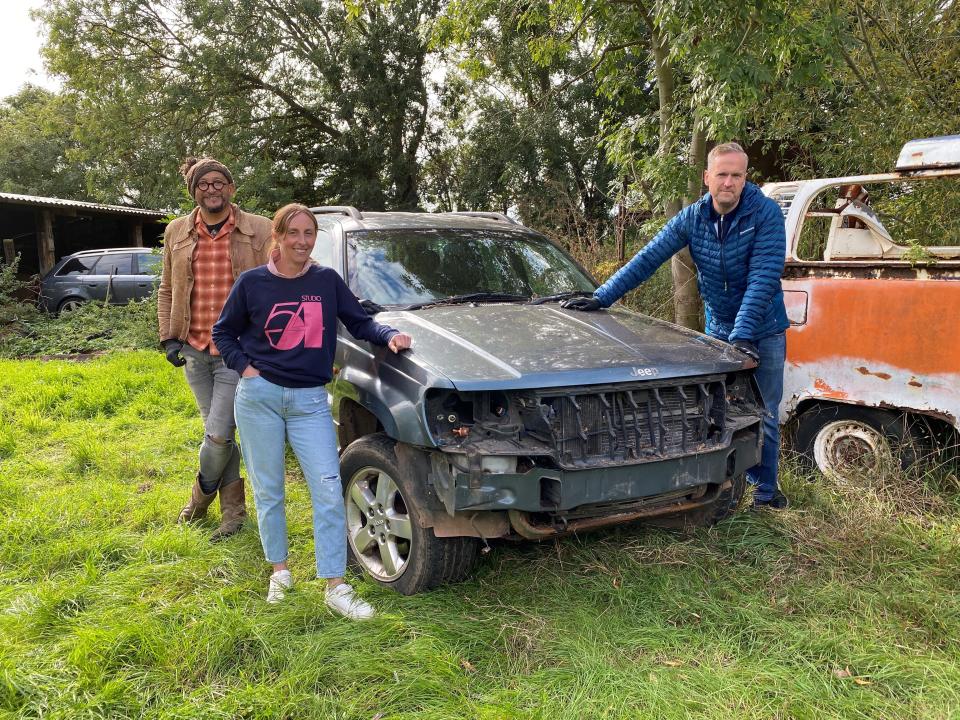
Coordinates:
846	605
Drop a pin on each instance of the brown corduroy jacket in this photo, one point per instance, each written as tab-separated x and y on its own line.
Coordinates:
249	248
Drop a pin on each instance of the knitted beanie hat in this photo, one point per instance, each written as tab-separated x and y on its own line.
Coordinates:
193	169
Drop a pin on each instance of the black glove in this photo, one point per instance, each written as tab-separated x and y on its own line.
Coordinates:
748	349
370	307
172	348
585	304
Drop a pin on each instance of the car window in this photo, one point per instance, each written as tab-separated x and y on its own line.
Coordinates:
883	220
400	267
148	264
119	264
323	250
78	265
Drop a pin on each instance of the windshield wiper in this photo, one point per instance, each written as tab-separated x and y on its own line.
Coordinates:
468	298
559	296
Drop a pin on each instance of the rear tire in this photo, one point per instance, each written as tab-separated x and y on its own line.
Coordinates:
68	305
384	505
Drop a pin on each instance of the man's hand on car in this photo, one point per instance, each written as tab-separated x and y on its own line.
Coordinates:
172	348
585	304
749	349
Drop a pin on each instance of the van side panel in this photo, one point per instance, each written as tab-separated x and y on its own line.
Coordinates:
857	338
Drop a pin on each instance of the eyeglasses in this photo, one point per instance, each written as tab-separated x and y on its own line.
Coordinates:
216	185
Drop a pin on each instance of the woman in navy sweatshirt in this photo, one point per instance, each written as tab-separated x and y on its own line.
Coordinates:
278	329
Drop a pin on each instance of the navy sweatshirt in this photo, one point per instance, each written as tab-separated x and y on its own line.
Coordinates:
287	327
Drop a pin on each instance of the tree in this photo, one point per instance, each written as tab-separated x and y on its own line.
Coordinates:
523	131
895	76
666	76
318	100
37	148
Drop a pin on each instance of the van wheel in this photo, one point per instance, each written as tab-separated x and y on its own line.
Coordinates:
69	305
385	539
846	441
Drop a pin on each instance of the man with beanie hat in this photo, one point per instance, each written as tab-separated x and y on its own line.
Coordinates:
203	253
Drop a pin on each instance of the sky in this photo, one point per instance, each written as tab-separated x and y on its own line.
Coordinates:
20	48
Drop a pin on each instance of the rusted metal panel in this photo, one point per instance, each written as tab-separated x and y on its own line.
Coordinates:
891	344
937	152
64	207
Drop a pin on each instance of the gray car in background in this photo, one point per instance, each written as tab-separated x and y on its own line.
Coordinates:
115	274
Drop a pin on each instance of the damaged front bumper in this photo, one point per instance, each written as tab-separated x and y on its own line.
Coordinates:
552	490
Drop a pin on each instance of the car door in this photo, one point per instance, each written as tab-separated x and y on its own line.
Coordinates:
146	274
113	275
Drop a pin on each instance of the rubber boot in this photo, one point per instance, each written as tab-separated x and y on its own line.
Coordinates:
196	509
233	510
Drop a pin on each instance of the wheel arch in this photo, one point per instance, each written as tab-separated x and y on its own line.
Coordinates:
69	298
355	421
934	423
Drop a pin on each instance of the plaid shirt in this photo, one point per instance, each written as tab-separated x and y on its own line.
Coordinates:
212	282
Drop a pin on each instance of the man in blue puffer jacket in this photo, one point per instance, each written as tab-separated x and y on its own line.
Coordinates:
737	239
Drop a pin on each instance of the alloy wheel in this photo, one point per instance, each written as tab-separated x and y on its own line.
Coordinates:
378	525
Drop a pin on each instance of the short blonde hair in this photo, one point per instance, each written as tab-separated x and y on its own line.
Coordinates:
725	149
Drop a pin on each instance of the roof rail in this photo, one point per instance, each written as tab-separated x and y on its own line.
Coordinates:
489	215
347	210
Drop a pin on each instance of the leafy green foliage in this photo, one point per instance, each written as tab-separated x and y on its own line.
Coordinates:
318	101
894	75
92	328
846	605
37	147
524	131
13	290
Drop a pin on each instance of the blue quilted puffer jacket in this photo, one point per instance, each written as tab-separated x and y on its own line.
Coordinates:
739	279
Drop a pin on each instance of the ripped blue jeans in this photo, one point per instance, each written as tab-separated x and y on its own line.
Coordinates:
268	416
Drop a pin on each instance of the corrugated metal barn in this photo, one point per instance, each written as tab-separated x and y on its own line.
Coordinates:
43	229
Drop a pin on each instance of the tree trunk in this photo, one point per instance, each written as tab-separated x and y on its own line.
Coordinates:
686	300
688	310
621	226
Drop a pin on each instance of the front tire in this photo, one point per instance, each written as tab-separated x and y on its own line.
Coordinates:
846	441
384	506
726	504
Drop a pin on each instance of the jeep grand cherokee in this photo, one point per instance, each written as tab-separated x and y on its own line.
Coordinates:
511	417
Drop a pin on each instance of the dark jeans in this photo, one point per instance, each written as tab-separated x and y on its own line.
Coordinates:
773	351
214	386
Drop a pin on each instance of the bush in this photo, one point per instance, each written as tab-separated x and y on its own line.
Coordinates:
92	328
13	309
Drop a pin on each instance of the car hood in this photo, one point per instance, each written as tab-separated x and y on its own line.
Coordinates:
502	346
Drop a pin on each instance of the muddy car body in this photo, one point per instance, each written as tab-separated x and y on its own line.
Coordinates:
510	416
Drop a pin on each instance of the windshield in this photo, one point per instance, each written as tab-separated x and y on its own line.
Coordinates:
406	267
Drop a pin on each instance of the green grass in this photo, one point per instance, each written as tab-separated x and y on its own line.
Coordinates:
846	605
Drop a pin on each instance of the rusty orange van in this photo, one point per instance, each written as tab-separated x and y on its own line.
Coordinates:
872	289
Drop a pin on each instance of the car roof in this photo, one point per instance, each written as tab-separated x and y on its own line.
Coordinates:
106	251
352	219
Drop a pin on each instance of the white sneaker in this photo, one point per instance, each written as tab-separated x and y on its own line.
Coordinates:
343	600
280	582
